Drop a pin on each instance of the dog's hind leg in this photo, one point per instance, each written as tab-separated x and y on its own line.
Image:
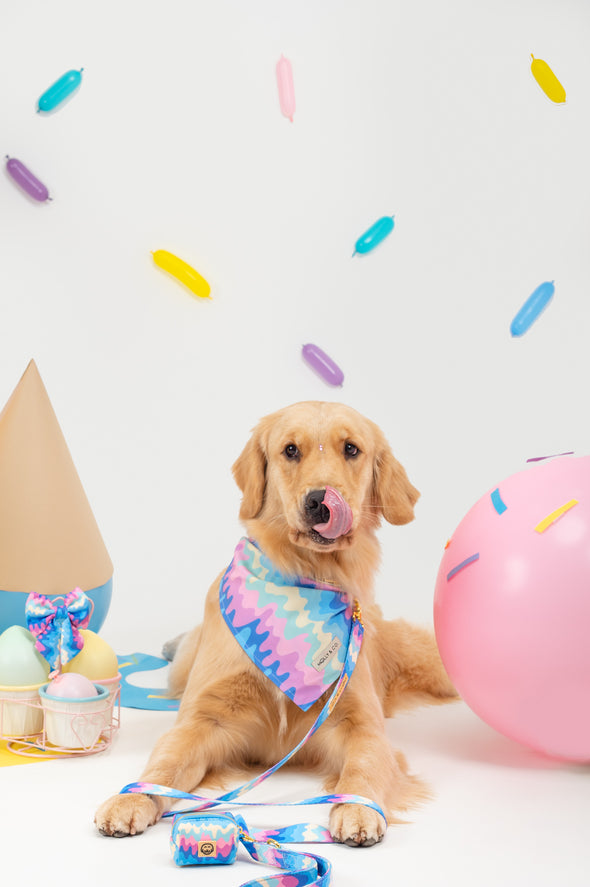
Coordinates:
185	651
170	647
411	671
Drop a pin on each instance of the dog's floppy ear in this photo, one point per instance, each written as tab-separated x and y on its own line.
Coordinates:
393	493
249	471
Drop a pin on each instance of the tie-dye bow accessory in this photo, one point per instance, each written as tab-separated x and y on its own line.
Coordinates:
56	625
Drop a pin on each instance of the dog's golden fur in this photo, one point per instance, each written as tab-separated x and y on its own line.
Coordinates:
231	715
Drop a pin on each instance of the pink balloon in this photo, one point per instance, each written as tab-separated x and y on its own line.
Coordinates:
286	88
512	608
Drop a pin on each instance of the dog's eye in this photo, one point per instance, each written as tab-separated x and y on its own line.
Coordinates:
291	451
350	450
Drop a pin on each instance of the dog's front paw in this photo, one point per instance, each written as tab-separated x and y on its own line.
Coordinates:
124	815
356	826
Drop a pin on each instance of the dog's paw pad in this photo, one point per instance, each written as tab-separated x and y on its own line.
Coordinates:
356	826
361	840
125	815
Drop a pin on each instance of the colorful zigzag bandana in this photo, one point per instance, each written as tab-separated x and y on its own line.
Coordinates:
295	630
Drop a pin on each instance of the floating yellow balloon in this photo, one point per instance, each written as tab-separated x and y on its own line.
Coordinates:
183	272
547	80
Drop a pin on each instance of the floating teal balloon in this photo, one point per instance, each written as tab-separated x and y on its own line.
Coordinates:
60	90
374	235
534	305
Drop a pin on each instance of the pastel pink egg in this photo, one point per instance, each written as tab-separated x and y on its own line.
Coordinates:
71	686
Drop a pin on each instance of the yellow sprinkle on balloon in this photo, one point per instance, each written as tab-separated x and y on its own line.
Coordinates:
547	80
551	518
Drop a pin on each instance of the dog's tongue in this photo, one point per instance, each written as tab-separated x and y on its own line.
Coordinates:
340	520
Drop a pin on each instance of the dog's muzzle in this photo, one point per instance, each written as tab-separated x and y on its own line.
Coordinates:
328	513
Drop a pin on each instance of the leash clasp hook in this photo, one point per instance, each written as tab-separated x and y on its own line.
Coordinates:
270	841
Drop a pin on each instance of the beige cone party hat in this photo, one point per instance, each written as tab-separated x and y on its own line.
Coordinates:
49	539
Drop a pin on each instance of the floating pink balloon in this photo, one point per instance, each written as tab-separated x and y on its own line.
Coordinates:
23	177
512	607
286	88
319	361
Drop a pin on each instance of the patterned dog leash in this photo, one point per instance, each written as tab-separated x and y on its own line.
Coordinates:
195	837
202	838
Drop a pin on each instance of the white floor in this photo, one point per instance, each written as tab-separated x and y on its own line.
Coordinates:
501	815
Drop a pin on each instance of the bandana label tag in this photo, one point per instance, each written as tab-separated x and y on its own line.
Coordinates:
322	659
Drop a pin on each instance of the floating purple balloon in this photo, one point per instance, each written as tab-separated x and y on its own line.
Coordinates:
322	364
26	180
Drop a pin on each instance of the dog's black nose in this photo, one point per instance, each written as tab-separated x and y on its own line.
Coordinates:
315	511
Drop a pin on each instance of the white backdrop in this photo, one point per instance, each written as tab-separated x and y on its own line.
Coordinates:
175	140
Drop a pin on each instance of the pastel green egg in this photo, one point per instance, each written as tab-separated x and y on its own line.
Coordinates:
20	663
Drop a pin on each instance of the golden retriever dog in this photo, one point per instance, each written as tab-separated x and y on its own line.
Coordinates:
231	715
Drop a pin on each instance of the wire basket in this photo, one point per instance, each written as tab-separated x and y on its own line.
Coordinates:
37	725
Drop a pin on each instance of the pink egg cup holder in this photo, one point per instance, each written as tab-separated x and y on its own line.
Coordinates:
36	724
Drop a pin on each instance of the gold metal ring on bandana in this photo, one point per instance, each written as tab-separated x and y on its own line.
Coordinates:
357	614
